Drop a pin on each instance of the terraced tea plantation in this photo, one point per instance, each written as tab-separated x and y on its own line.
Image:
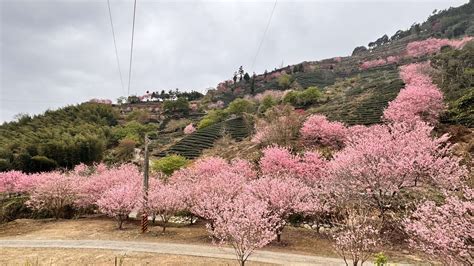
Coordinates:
192	145
364	101
318	78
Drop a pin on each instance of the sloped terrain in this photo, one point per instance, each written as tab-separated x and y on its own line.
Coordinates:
192	145
362	98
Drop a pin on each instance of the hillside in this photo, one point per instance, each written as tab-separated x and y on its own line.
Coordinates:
61	138
352	89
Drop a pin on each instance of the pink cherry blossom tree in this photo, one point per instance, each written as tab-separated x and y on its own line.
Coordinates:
284	196
433	45
356	237
52	192
384	160
165	200
211	181
189	129
278	161
280	125
420	99
373	63
119	201
245	223
443	231
10	181
318	130
92	186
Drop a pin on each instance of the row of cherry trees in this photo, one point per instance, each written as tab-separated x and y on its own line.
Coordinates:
418	49
369	183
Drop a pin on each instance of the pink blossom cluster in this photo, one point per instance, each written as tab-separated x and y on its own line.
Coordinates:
217	105
224	86
317	130
443	231
52	191
420	99
278	161
102	101
14	182
120	200
383	160
189	129
380	62
165	200
274	94
433	45
274	75
373	63
82	187
145	96
337	59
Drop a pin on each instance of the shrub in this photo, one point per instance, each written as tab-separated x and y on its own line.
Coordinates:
284	81
126	148
211	118
141	116
266	104
280	125
380	259
303	98
181	105
169	164
42	164
309	96
132	130
177	124
240	106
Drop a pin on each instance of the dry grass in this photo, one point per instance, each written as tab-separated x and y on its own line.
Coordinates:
57	256
294	240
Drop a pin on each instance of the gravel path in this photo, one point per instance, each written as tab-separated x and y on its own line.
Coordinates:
175	249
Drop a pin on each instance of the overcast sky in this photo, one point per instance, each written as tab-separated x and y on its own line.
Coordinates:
55	53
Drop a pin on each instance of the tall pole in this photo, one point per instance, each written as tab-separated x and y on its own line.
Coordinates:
145	187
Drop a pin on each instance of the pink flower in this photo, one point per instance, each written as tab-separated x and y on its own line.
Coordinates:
189	129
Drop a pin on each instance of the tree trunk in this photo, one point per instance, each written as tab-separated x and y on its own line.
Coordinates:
153	219
279	236
164	227
120	222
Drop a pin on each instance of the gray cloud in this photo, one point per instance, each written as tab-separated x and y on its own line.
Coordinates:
55	53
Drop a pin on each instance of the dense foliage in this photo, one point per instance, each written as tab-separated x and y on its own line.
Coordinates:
61	138
167	165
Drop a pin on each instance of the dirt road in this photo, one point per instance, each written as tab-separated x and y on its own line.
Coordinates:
172	249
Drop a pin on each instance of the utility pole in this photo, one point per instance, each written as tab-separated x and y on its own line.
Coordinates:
145	187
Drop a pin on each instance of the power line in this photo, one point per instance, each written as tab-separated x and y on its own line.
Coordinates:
115	45
131	48
263	37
